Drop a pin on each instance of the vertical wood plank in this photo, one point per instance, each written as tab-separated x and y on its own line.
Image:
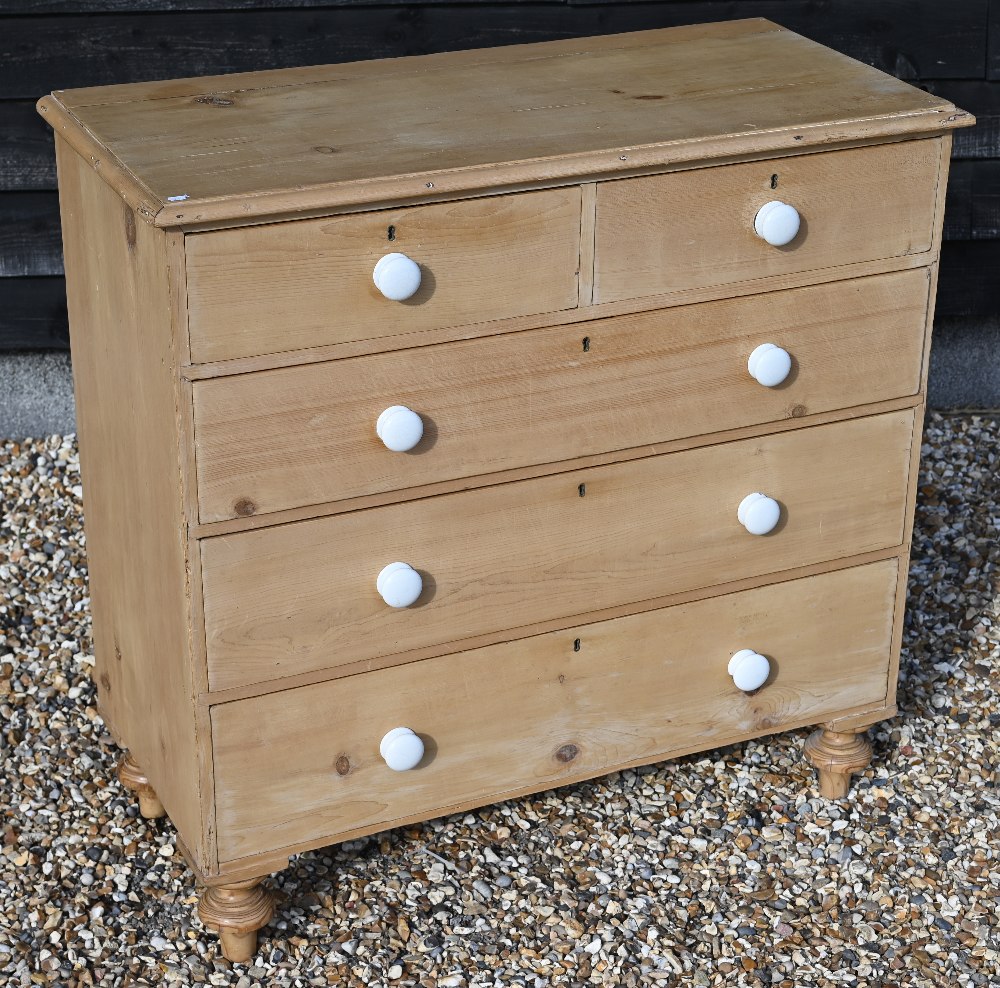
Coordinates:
588	231
918	424
124	363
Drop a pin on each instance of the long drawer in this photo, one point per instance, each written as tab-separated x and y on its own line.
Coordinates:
302	597
263	289
693	229
306	435
303	765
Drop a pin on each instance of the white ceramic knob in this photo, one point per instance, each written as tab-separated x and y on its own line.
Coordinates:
758	513
777	223
749	670
769	365
399	584
397	276
400	428
401	749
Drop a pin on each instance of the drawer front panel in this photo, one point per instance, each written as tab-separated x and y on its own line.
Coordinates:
306	435
303	765
302	597
693	229
286	286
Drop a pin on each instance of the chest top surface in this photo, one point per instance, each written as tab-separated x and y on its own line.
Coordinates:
246	146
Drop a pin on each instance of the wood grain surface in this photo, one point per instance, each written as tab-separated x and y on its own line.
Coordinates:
124	365
305	435
301	597
30	240
695	228
33	316
517	324
303	765
285	286
253	146
27	157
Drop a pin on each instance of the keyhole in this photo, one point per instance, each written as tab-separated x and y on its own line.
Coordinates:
774	181
576	645
586	344
582	490
392	230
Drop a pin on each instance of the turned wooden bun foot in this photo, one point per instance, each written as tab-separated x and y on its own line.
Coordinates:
836	756
237	912
134	779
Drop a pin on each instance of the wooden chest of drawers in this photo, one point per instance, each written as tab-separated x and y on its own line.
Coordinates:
459	426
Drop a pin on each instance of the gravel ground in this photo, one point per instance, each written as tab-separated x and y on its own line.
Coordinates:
719	869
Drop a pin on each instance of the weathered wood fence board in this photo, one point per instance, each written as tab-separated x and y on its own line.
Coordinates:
33	314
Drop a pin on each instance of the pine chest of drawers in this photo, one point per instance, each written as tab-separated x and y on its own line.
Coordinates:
459	426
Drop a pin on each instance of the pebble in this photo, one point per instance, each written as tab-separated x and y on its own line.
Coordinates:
715	869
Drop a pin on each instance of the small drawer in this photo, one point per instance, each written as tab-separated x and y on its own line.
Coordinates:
694	229
307	435
305	597
303	766
286	286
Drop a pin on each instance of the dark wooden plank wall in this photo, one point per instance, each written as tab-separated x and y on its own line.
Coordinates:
950	48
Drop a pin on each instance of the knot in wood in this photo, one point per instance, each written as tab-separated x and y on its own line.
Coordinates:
567	753
244	507
129	228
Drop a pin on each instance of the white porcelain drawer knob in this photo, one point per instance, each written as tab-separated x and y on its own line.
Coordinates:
397	276
777	223
401	749
758	513
769	365
749	670
400	428
399	584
